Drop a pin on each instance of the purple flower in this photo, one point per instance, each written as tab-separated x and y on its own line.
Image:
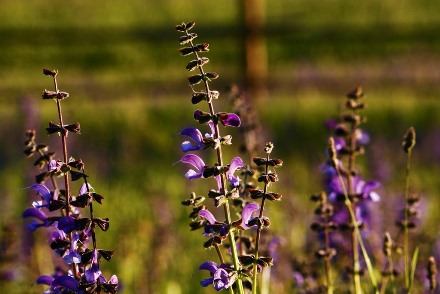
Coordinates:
195	161
38	214
214	226
236	163
365	190
72	256
229	119
196	136
220	278
45	194
94	273
246	214
67	224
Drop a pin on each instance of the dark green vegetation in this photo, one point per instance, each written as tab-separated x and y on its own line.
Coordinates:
120	64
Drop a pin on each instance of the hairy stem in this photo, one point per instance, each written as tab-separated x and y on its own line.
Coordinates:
405	223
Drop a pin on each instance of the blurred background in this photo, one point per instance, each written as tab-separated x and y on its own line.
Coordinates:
294	61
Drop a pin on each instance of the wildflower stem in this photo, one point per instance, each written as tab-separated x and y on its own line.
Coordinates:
328	273
405	223
222	176
257	238
66	175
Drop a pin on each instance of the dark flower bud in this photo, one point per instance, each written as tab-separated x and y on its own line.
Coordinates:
247	260
54	95
202	116
77	175
187	38
211	75
53	128
49	72
195	79
187	202
74	128
56	204
196	210
86	256
342	130
97	197
190	25
198	97
409	140
82	201
317	227
195	225
256	194
103	223
265	261
330	252
106	254
186	51
272	196
229	119
201	47
356	93
193	64
268	148
181	27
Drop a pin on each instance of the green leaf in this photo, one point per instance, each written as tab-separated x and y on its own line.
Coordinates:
413	268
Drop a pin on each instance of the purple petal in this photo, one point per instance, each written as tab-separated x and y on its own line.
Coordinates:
67	224
230	119
194	160
114	280
93	273
33	212
43	191
221	279
83	189
194	134
197	114
66	282
206	214
52	165
191	175
247	212
219	182
188	147
211	266
45	280
369	186
206	282
236	163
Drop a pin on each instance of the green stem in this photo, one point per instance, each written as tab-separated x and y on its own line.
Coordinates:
405	222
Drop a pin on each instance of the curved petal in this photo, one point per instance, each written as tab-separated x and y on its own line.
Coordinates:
33	212
206	214
211	266
194	160
43	191
67	224
45	280
247	212
93	273
206	282
66	282
236	163
83	189
221	279
194	134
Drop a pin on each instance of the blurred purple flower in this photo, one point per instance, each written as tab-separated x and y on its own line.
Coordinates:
59	284
45	194
72	256
67	224
220	278
196	162
38	214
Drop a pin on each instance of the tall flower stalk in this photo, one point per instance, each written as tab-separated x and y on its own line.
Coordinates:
71	233
245	262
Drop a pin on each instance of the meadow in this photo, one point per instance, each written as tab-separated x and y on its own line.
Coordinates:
128	89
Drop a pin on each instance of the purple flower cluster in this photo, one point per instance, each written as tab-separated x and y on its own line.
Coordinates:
72	236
